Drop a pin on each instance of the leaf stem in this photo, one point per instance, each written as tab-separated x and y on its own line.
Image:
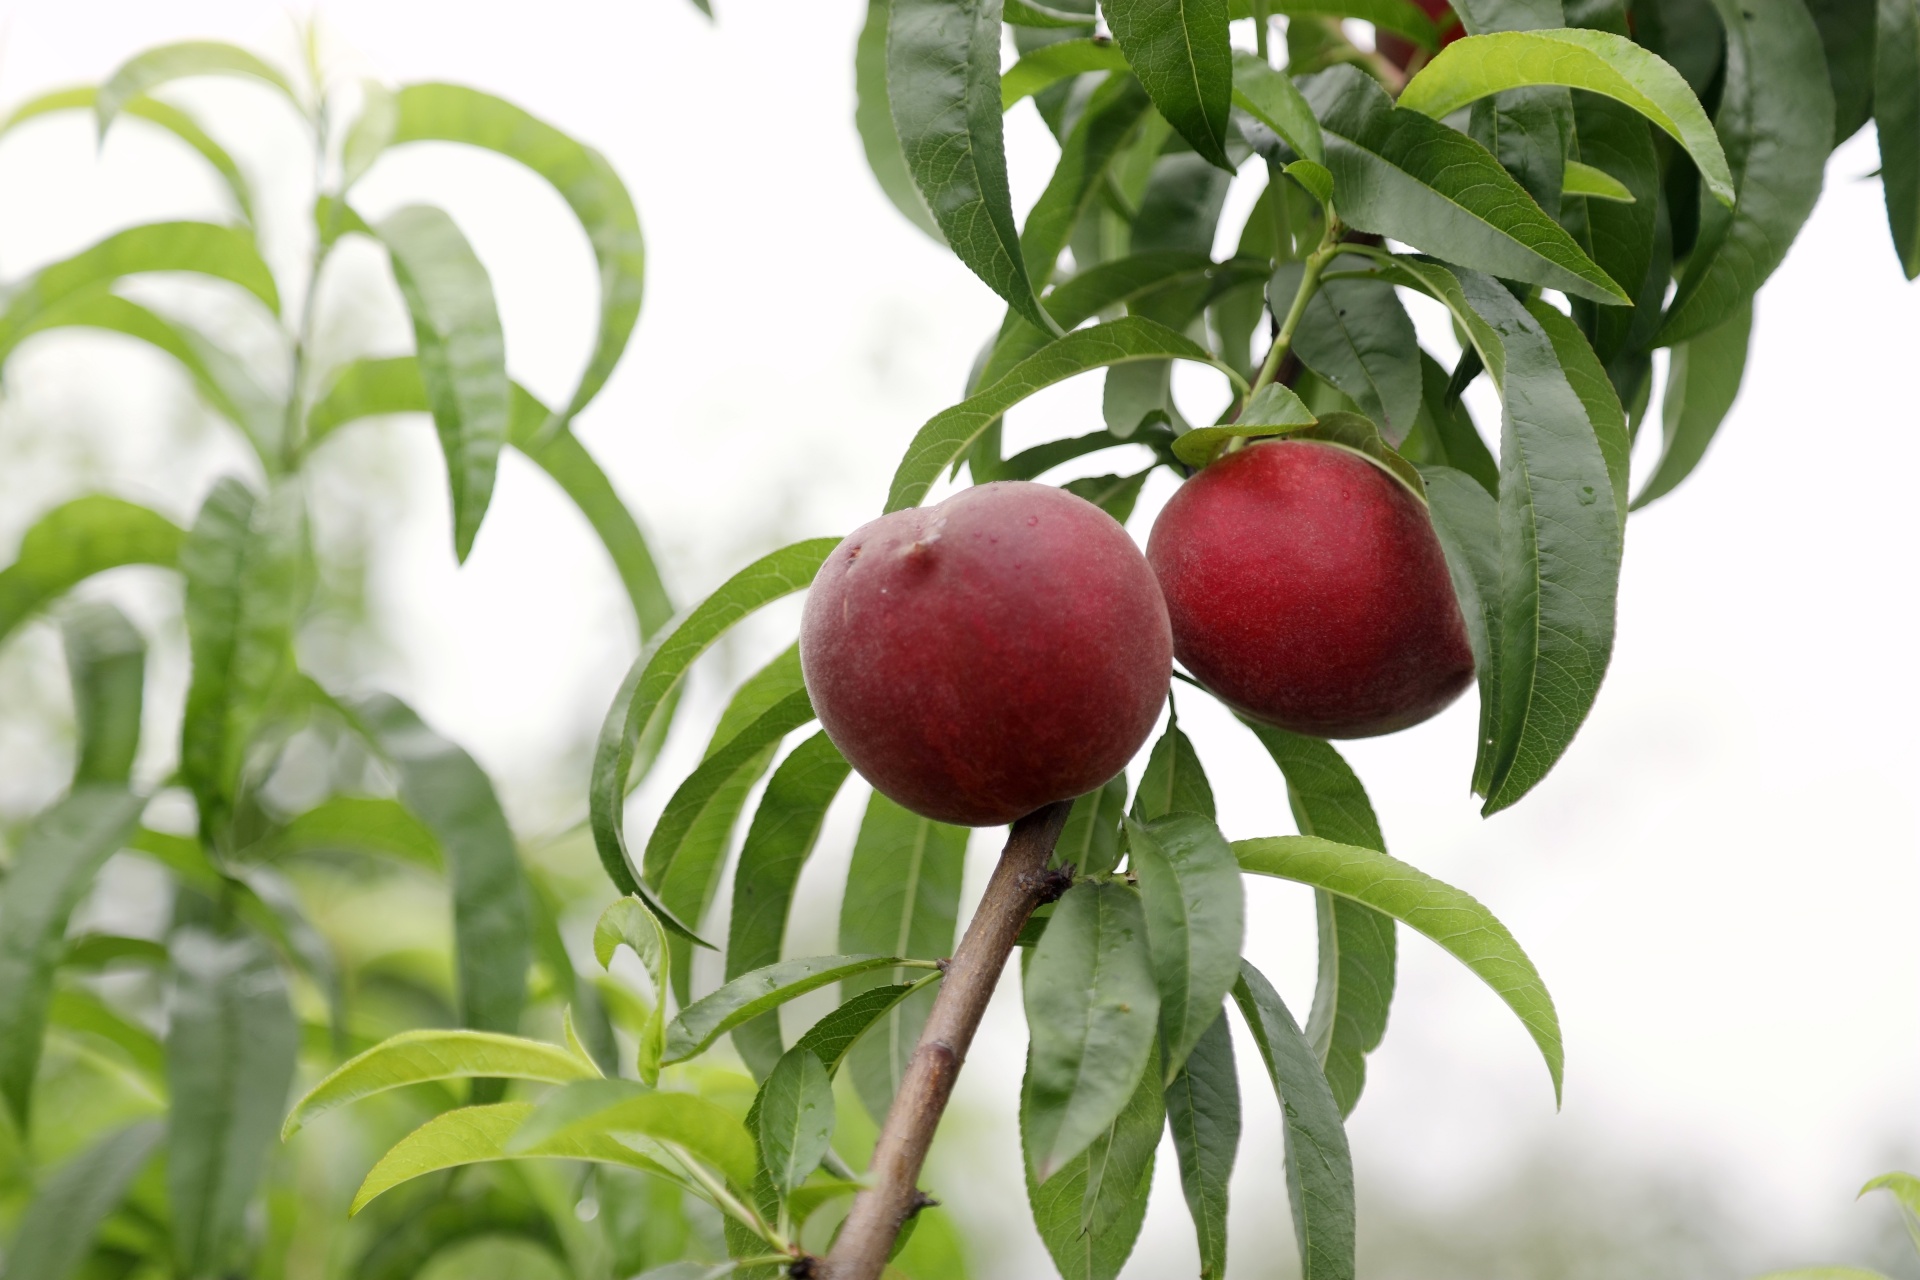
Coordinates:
1309	284
1019	884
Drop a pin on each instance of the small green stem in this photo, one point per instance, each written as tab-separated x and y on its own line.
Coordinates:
725	1200
1262	19
1309	282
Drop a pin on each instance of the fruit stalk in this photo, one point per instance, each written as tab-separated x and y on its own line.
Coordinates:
1020	883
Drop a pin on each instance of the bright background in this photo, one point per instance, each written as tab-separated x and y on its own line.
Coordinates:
1719	882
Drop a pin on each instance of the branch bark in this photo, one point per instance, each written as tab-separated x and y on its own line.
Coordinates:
1020	883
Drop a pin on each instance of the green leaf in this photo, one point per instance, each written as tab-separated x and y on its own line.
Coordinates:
582	177
943	87
1115	495
781	838
873	118
416	1057
224	253
1904	1187
1090	842
492	929
1203	1114
1596	61
1195	910
367	824
171	118
1453	919
1404	176
1703	380
948	435
107	665
1357	335
629	921
1173	781
1357	945
1775	119
1588	378
368	388
462	354
1052	63
1269	96
1179	49
707	1019
1089	1213
232	1040
1319	1166
1398	16
245	566
77	1009
833	1037
1585	180
653	679
1626	239
1092	1006
688	848
53	867
1896	117
1087	152
1450	437
56	1233
473	1135
796	1119
1847	32
599	1107
151	68
902	899
1274	410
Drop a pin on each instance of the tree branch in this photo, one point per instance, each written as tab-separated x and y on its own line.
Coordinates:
1020	883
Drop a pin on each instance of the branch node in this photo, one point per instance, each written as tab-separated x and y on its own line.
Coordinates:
921	1200
805	1267
1050	885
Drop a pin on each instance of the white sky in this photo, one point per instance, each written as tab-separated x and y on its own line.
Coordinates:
1719	884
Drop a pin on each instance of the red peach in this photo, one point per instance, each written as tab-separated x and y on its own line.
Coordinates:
980	658
1307	589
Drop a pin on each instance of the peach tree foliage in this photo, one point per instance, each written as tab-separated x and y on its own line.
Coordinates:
1647	166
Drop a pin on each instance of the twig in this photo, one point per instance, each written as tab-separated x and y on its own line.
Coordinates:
1019	884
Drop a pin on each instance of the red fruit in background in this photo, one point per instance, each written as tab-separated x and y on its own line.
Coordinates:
1307	588
1399	50
978	659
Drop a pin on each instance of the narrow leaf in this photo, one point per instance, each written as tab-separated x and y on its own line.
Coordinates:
598	1107
656	675
1896	116
781	838
1173	781
415	1057
473	1135
53	867
1319	1166
1092	1006
1453	919
796	1119
1203	1115
582	177
1179	49
903	899
452	796
1596	61
1775	119
1089	1213
1090	842
107	665
1087	154
232	1039
1271	98
1703	380
1357	944
244	563
73	542
151	68
366	824
56	1233
707	1019
224	253
873	118
1052	63
629	921
1195	909
1401	175
943	86
1274	410
462	354
1586	180
833	1037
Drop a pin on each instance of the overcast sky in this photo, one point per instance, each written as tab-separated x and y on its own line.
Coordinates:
1719	883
